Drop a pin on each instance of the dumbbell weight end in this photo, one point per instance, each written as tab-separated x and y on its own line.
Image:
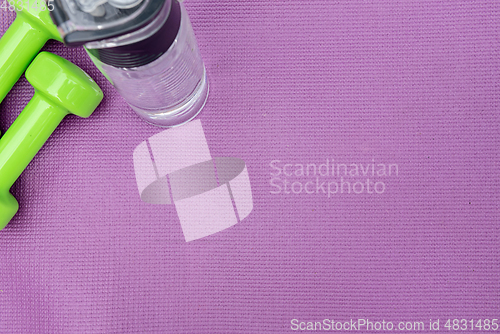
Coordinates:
8	208
19	45
31	29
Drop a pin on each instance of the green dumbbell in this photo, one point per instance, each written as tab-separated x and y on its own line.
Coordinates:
61	88
31	29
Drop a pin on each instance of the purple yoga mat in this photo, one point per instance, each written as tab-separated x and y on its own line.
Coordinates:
370	133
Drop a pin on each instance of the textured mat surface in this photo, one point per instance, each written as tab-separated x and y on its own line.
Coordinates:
361	84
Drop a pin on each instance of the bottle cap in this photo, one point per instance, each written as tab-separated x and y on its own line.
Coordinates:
83	21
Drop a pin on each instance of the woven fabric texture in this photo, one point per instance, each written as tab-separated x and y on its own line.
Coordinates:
409	86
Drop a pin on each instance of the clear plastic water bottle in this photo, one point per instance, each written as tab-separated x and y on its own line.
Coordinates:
147	50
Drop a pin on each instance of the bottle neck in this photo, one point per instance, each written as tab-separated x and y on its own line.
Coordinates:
148	47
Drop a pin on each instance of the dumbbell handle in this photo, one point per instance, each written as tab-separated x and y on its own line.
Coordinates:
25	137
26	36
